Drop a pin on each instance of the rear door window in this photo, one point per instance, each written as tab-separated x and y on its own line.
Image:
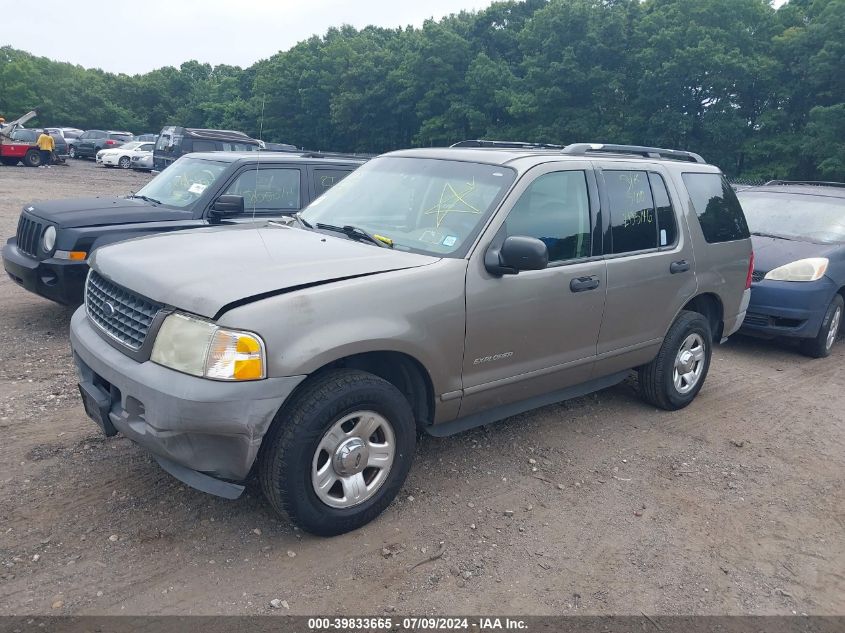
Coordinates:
633	222
325	179
667	227
717	207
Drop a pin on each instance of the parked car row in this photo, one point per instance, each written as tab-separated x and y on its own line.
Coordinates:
321	311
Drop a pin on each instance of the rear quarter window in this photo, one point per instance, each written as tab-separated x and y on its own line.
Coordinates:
717	207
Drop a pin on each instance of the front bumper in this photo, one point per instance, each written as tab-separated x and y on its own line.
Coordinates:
788	308
199	430
59	280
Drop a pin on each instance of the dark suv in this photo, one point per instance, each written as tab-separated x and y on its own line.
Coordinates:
49	254
175	141
93	141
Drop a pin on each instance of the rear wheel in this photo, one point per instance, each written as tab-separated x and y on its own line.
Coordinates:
822	344
32	158
673	379
123	163
71	151
336	457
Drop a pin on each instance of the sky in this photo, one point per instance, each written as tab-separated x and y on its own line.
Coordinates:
135	36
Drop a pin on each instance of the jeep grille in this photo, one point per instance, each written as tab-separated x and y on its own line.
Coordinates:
29	232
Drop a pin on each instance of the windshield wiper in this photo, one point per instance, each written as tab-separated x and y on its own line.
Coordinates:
147	198
298	217
358	234
777	237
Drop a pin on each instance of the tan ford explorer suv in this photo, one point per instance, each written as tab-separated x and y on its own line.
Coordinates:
430	290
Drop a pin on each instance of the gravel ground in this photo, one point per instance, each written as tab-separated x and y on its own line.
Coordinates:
600	505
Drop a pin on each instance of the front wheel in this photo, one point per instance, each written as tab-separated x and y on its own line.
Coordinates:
673	379
822	344
71	151
123	163
336	457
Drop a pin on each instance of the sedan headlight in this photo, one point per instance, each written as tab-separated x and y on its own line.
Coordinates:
201	348
48	240
810	269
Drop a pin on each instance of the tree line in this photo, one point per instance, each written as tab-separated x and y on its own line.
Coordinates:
756	90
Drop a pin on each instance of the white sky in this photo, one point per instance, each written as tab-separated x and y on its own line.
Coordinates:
135	36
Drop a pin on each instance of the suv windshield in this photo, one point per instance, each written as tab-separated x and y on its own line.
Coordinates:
183	182
422	205
795	215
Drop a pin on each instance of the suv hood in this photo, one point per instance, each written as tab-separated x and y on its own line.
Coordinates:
208	271
771	252
79	212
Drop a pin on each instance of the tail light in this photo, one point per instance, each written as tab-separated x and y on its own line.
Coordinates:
111	142
750	271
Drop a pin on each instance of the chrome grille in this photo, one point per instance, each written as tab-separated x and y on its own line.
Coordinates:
28	235
122	314
758	275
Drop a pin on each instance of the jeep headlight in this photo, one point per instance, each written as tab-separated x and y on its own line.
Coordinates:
810	269
48	240
201	348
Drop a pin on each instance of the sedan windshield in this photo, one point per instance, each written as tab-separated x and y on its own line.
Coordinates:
795	215
183	182
132	145
436	207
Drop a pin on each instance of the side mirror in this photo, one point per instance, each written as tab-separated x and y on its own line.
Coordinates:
227	204
516	253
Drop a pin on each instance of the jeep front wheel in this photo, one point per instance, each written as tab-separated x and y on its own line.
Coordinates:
673	379
336	457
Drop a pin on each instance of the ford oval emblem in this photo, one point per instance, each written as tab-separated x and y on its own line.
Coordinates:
108	309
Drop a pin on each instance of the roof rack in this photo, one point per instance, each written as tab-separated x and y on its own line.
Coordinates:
580	149
815	183
318	154
505	144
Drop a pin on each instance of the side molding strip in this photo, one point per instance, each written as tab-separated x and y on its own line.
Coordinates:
514	408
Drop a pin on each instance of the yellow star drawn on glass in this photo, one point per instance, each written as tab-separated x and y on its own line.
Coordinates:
449	202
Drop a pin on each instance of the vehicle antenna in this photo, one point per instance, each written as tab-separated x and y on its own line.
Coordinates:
258	157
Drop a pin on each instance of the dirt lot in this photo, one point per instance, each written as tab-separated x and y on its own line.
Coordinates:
598	505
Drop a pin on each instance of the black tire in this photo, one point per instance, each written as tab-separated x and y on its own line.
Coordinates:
71	151
657	380
285	459
123	163
821	345
32	158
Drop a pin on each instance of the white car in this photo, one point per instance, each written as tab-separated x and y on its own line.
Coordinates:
122	156
142	161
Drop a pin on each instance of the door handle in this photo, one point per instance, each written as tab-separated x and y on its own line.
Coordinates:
580	284
679	267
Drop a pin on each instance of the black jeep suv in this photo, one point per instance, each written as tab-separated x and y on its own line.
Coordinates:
54	240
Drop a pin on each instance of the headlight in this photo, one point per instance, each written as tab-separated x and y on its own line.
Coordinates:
201	348
810	269
48	240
